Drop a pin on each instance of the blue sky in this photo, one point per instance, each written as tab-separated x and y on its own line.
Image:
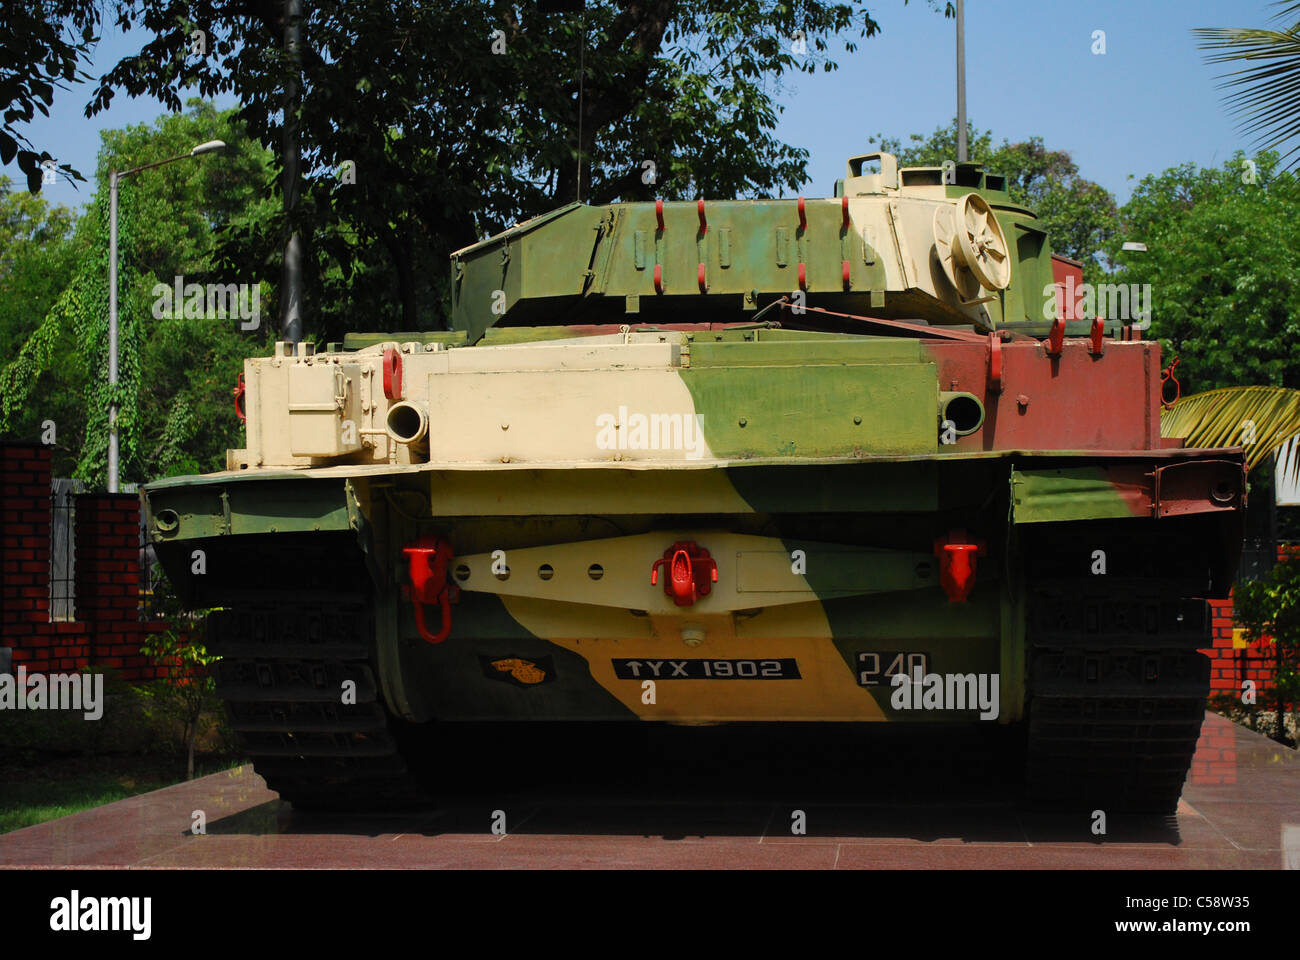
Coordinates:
1148	103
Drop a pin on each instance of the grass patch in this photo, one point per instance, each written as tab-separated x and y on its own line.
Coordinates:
56	762
59	786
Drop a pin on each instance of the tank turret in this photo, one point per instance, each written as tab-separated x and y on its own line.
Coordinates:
938	245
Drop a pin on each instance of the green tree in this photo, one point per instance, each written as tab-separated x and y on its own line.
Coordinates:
1078	215
1269	609
37	255
1223	261
456	119
176	409
189	365
187	692
38	258
187	204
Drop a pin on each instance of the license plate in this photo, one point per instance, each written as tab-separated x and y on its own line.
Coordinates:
781	669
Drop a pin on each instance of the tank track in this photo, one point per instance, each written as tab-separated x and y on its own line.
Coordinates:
282	676
1117	693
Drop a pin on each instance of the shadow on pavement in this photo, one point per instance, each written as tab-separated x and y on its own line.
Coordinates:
750	780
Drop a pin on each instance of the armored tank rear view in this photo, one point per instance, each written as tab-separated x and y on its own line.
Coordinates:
789	460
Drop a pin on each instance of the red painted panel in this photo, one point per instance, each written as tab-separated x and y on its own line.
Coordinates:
1067	274
1078	401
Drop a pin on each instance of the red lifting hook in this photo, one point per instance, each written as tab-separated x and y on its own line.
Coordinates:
691	572
429	557
1056	339
392	374
1096	342
995	363
1167	377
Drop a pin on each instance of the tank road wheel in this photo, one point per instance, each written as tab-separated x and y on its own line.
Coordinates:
301	692
1117	694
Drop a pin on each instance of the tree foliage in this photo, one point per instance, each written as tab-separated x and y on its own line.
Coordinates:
1223	261
459	118
1265	93
190	363
176	372
39	253
188	691
1261	419
81	312
36	257
1269	610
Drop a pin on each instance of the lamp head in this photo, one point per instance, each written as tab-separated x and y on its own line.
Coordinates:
212	146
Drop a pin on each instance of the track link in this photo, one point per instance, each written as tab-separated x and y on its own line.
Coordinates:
283	673
1117	694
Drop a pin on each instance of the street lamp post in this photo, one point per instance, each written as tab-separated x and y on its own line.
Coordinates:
961	83
114	176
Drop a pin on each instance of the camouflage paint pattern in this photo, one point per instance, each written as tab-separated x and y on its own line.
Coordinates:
819	467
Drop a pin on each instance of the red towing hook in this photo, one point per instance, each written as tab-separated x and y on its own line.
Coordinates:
429	558
957	564
691	572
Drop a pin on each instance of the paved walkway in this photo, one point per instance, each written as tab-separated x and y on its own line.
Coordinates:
1240	810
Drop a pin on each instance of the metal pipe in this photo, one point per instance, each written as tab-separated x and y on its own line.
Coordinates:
291	275
963	410
961	83
112	329
407	422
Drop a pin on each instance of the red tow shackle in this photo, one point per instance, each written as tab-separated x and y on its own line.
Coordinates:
691	572
429	558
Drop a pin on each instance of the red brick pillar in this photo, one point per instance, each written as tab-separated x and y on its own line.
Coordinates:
108	571
25	551
1223	658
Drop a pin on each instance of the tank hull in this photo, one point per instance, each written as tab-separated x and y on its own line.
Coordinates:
922	516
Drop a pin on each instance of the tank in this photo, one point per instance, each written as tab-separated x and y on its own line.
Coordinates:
845	460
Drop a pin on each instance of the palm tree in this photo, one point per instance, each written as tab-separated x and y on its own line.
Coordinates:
1261	419
1266	93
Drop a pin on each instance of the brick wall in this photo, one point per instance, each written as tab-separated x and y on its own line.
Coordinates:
107	631
1215	760
1229	666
